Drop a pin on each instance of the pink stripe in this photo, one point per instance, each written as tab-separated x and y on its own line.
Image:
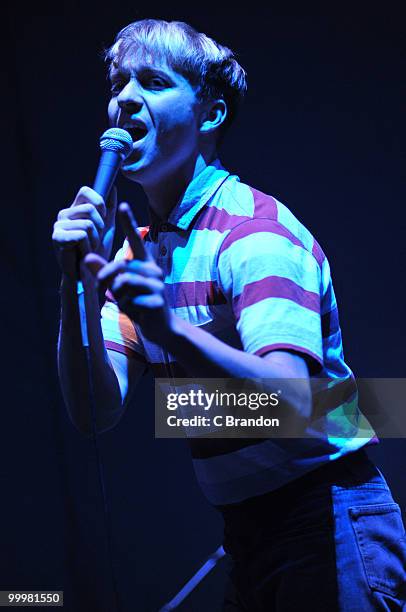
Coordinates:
110	297
213	218
288	347
329	323
124	350
197	293
275	287
318	253
265	205
258	225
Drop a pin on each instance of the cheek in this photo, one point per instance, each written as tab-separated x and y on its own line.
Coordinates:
112	111
179	123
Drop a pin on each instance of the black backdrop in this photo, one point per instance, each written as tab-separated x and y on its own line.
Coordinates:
322	130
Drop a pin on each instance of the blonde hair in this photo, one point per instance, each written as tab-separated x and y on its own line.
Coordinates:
207	65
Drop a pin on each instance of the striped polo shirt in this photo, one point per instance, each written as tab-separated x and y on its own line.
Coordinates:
239	264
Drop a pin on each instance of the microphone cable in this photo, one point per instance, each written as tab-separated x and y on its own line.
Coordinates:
100	469
116	145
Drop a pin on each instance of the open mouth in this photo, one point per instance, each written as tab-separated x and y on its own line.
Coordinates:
137	133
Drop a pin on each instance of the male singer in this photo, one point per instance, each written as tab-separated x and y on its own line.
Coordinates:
233	286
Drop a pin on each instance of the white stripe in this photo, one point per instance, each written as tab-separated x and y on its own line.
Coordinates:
277	321
193	262
263	254
288	219
235	198
117	327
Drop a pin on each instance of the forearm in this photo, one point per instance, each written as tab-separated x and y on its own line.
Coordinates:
202	355
73	366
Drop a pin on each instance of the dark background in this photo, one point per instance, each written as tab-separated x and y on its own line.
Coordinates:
322	129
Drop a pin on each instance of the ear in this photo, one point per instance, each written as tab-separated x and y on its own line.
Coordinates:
214	115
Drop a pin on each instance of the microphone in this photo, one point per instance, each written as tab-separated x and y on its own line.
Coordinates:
115	144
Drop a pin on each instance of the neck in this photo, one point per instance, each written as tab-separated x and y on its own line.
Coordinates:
166	193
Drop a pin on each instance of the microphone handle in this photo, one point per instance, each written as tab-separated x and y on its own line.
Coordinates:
110	162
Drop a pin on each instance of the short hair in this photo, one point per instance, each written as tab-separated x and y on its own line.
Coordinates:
210	67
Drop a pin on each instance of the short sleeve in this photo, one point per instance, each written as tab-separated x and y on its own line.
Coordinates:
119	332
273	284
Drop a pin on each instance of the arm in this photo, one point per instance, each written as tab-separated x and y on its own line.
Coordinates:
203	355
112	372
87	225
139	291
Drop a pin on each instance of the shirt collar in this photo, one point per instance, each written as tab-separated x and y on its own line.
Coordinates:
197	194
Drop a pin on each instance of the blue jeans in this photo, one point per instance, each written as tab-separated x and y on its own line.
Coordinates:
332	540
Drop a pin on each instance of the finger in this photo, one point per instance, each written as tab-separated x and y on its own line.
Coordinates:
82	211
110	270
85	225
133	285
94	263
129	226
64	240
87	195
136	307
147	269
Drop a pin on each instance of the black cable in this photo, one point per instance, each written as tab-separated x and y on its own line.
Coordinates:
92	403
106	513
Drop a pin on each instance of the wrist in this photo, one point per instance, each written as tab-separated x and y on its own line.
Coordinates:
175	332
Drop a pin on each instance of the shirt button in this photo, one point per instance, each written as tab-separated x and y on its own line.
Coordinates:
163	250
164	227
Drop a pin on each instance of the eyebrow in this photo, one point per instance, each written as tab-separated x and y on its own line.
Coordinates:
145	69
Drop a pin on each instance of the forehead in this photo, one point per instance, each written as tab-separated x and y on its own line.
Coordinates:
132	59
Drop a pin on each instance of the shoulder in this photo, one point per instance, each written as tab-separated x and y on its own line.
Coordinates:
266	215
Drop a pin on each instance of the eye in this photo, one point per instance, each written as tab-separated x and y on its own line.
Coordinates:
116	87
155	82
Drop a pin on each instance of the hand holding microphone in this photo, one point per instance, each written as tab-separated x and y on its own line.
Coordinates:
89	223
88	226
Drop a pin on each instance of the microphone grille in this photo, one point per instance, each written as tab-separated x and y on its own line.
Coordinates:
117	140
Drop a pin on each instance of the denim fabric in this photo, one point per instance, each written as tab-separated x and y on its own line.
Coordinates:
332	541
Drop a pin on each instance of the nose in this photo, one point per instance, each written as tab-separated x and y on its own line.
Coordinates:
130	100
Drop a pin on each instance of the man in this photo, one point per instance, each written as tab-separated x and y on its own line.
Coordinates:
233	286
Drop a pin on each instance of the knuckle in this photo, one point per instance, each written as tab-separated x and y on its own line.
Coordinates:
87	208
84	191
124	279
92	195
88	224
157	271
62	214
117	284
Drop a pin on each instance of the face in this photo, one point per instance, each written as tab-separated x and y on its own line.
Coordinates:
160	110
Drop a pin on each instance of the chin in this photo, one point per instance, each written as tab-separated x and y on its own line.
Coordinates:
132	168
138	173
